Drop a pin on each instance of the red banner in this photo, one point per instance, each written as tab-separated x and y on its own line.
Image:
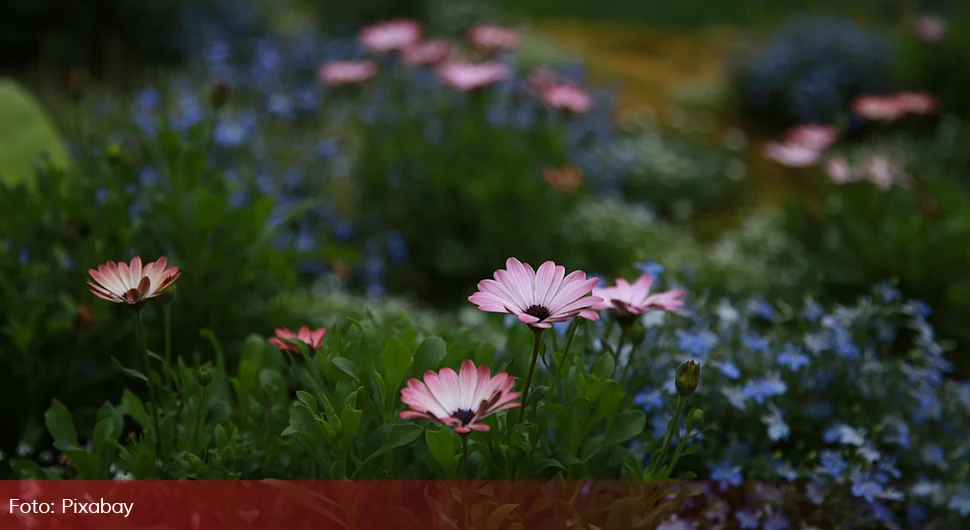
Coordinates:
340	505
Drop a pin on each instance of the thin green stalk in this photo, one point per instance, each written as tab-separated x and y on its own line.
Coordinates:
629	361
464	489
140	329
677	454
464	457
198	419
624	330
570	335
167	317
532	370
681	400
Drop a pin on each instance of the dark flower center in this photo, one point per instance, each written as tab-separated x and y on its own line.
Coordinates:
464	416
538	311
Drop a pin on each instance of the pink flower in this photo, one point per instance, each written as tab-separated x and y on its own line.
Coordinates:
469	76
566	96
492	38
566	178
311	337
625	300
930	28
791	155
878	108
427	53
346	72
883	172
132	284
817	137
460	400
393	35
539	78
538	298
919	103
839	171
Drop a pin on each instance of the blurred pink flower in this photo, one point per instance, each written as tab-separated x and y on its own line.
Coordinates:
539	78
568	97
817	137
492	38
311	337
625	300
538	298
346	72
427	53
469	76
919	103
883	171
839	171
459	400
392	35
791	155
878	108
132	284
566	178
930	28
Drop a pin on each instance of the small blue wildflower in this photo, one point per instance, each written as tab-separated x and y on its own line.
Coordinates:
747	519
766	387
24	256
760	307
864	487
658	425
735	396
816	491
844	435
233	131
728	369
886	292
727	475
327	148
776	521
699	344
785	470
304	242
280	105
651	268
148	176
792	358
756	343
775	421
869	453
148	100
650	401
933	455
343	230
960	501
811	310
675	524
925	488
397	249
832	463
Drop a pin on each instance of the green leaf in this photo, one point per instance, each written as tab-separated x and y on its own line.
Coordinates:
103	431
135	409
443	445
625	426
307	399
26	133
604	367
61	427
396	358
499	515
429	355
128	371
346	366
350	421
388	437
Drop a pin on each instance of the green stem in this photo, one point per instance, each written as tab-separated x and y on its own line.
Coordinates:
532	370
464	494
629	362
677	454
167	317
571	334
624	330
464	456
198	420
681	400
140	329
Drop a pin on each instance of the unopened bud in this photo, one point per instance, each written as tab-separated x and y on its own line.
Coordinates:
637	334
695	419
220	94
204	375
688	378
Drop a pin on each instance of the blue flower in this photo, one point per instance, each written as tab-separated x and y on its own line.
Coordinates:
960	501
792	358
864	487
651	268
699	344
775	421
934	455
887	292
832	463
747	519
728	369
327	148
776	521
811	310
766	387
727	474
650	401
756	343
23	258
844	434
760	307
147	100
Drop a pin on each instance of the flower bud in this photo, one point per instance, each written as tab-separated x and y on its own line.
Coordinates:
219	96
637	334
688	378
695	419
204	375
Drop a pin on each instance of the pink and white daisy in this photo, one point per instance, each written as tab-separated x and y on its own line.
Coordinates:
930	28
918	103
625	300
812	136
427	53
311	337
459	400
791	155
341	73
538	298
132	284
393	35
568	97
878	108
493	38
470	76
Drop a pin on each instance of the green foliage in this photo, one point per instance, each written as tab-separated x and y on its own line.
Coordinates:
26	134
929	65
56	338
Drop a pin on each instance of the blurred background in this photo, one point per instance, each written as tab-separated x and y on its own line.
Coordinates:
773	148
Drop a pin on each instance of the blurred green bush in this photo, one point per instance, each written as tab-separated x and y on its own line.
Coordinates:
933	51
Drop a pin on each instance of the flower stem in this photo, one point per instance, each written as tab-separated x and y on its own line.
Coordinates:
624	330
167	316
464	456
571	334
674	424
198	419
532	370
464	489
629	361
140	328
